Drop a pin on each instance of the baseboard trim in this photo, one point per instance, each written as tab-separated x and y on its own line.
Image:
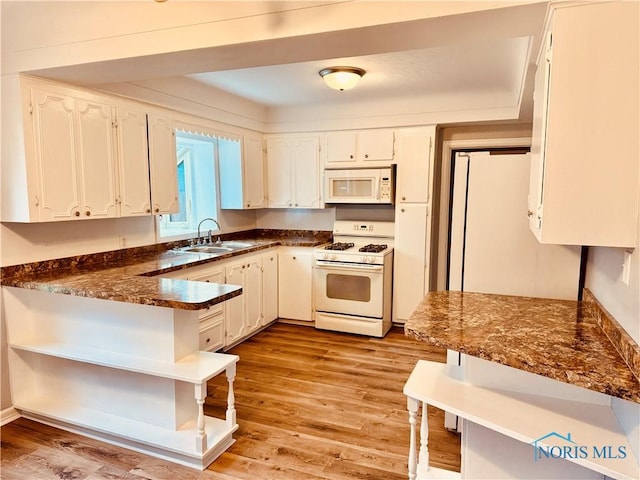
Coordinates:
8	415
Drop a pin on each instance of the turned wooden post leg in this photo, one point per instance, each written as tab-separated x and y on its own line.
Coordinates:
412	406
231	400
201	434
423	461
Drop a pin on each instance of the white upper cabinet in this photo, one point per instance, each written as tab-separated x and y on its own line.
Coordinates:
73	141
585	145
163	163
86	155
253	172
415	160
133	161
241	173
293	172
353	149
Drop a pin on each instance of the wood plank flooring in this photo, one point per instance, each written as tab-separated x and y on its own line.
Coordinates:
310	405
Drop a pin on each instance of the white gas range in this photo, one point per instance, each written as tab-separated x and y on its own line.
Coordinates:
353	278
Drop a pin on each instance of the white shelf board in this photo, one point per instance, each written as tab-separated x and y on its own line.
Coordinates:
195	368
182	441
524	417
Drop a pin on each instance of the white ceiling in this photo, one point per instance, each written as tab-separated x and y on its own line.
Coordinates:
479	60
490	68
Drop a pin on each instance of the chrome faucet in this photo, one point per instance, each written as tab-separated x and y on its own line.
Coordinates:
209	239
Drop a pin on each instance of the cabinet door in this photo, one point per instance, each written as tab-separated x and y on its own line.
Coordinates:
253	172
295	284
306	170
235	325
269	287
591	115
163	164
411	263
279	173
96	159
252	293
375	145
133	161
415	162
55	150
341	148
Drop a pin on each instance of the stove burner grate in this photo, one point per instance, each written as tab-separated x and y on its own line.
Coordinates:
373	248
339	246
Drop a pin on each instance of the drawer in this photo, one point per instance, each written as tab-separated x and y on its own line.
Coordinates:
212	311
212	336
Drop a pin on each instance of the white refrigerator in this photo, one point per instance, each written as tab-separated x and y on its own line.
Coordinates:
492	249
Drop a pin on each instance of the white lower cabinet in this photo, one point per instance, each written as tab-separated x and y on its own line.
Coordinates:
411	259
211	326
269	286
226	323
244	313
295	283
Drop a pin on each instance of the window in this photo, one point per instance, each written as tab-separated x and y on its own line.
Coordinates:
196	186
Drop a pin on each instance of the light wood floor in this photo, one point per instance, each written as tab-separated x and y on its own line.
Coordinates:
310	405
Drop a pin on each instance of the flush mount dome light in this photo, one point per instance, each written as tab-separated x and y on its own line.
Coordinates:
342	78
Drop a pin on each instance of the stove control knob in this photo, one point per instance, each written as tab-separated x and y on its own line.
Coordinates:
363	259
372	259
332	256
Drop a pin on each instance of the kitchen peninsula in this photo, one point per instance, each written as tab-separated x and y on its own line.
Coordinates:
561	340
104	346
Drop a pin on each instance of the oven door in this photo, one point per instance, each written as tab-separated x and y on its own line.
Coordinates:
349	288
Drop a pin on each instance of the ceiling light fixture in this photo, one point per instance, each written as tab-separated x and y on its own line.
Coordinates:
342	78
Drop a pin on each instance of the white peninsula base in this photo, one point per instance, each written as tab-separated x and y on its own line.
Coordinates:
124	373
505	428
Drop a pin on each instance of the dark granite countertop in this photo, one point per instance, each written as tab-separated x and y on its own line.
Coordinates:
559	339
135	275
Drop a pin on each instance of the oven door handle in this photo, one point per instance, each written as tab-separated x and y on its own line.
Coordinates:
324	265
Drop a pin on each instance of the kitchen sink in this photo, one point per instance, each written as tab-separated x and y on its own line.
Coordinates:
236	244
207	249
217	248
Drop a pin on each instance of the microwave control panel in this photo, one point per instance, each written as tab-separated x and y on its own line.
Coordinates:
385	188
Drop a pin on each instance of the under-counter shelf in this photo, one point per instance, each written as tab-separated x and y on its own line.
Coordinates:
523	417
136	435
196	368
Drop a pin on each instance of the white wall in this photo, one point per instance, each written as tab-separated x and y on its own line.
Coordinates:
604	279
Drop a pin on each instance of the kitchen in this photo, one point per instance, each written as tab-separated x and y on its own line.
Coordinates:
101	61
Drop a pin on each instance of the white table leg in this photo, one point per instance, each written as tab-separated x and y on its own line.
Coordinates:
423	460
412	406
231	409
201	435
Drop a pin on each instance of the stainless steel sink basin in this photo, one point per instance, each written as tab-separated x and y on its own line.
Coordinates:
208	249
217	248
237	244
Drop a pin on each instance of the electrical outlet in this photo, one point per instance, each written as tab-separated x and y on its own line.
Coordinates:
626	267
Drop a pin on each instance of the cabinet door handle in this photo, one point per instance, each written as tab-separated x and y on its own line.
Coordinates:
77	214
157	210
529	213
402	210
351	156
404	198
148	210
87	213
296	204
366	155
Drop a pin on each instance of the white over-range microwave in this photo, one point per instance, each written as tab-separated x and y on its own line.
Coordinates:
360	185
